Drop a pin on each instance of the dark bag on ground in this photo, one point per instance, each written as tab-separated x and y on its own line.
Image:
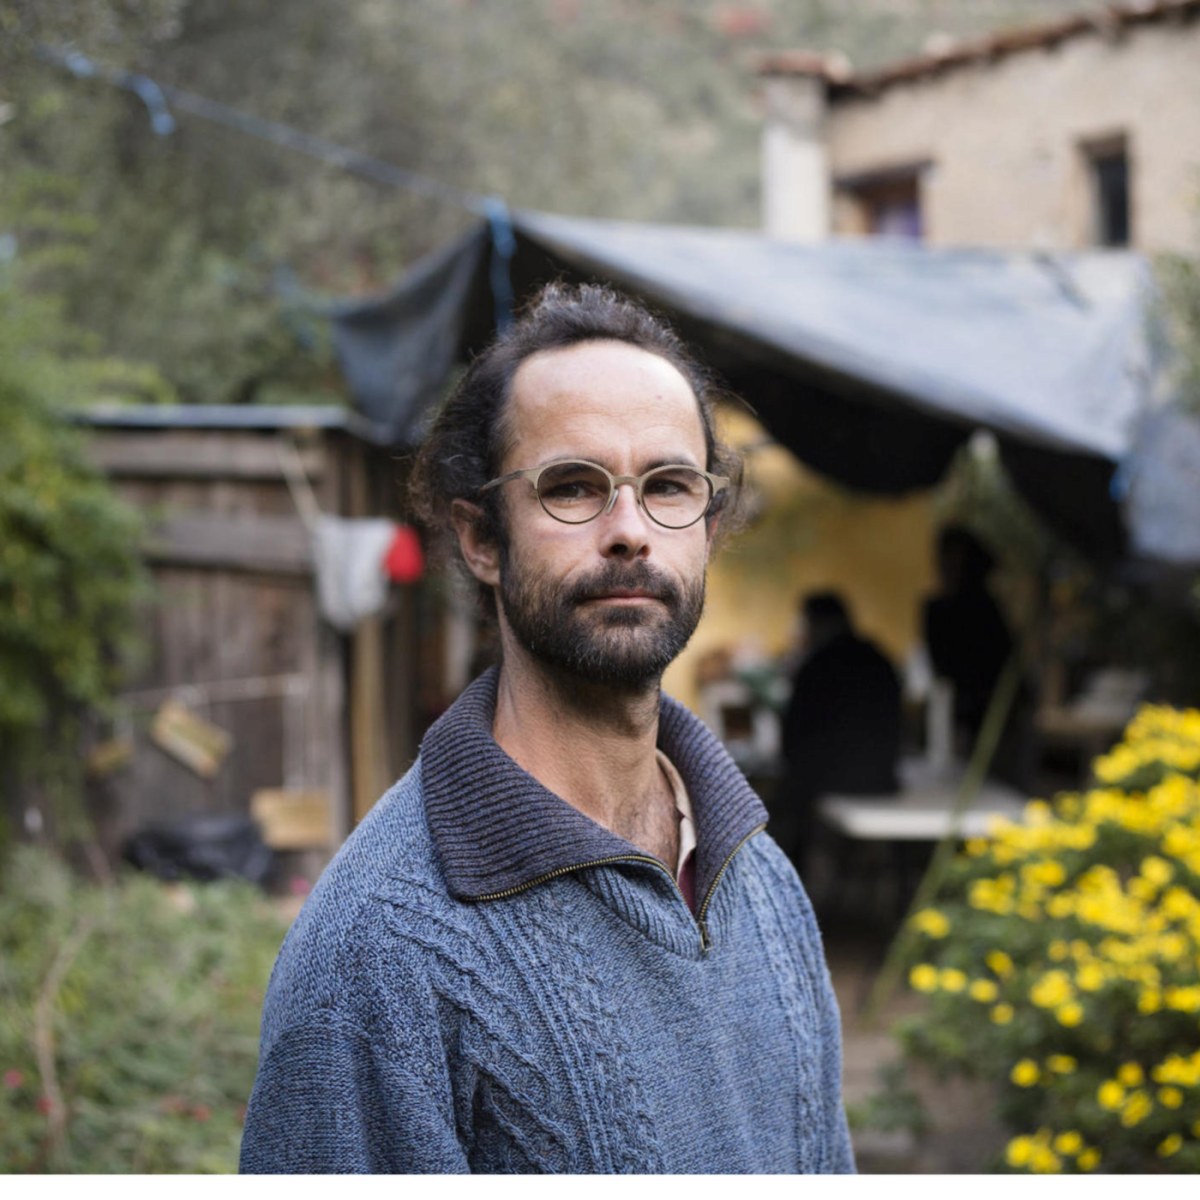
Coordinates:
203	847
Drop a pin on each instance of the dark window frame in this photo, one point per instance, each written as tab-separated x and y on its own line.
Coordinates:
1110	190
883	191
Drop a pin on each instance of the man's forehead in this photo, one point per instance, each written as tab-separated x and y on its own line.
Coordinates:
586	361
600	399
599	375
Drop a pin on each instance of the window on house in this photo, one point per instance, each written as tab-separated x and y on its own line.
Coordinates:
1108	164
885	204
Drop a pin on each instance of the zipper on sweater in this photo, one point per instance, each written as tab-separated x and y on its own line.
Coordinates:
706	942
583	866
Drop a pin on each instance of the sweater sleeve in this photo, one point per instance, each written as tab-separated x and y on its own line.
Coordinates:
329	1101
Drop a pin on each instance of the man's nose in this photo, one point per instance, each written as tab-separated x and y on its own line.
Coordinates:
625	525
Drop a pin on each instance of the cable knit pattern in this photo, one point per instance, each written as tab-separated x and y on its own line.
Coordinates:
576	1024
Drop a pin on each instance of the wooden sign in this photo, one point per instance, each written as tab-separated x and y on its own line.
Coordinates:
108	757
195	742
292	820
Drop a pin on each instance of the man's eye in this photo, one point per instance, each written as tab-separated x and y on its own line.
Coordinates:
573	489
665	487
675	485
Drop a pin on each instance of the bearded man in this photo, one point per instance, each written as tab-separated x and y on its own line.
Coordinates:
563	942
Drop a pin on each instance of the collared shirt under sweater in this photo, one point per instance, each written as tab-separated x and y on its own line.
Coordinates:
486	980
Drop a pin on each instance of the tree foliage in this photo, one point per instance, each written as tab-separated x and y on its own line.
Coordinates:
70	575
636	109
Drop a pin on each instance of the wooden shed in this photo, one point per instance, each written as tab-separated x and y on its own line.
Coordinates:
246	699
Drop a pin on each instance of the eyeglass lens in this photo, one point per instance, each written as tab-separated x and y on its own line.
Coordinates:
576	492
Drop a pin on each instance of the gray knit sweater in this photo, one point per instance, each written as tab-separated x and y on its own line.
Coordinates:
486	980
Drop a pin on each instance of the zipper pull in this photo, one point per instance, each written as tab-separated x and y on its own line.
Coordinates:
705	941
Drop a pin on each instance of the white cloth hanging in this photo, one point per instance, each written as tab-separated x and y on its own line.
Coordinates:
348	554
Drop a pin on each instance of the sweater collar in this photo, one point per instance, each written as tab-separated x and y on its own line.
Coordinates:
497	828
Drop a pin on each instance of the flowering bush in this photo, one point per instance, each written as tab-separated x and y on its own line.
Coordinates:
1065	964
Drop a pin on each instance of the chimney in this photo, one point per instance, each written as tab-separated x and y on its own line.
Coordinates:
795	162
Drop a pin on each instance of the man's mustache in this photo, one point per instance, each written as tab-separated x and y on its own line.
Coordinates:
623	577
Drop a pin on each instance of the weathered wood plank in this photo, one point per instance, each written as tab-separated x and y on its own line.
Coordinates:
248	542
195	455
293	820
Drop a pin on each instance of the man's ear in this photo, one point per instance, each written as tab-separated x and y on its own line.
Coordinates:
481	556
714	524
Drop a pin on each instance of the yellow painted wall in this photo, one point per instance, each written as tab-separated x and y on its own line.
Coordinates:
809	535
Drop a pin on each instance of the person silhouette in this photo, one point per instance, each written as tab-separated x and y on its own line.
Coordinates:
840	731
969	644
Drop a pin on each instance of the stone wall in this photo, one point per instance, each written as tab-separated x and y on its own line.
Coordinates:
1006	141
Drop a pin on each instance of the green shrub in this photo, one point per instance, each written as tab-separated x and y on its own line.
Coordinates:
71	576
1064	963
154	1020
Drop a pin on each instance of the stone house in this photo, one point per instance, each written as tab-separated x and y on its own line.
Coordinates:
1081	132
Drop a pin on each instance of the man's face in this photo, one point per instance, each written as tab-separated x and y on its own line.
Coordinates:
614	600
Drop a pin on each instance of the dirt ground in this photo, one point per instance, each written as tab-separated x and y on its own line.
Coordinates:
962	1133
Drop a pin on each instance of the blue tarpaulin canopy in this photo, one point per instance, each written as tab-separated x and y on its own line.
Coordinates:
871	360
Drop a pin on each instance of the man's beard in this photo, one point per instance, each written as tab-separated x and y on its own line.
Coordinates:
625	646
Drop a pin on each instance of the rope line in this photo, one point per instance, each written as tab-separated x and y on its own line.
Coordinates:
159	97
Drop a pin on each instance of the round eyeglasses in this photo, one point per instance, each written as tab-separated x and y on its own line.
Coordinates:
574	491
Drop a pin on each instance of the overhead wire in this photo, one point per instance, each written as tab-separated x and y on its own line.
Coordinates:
160	98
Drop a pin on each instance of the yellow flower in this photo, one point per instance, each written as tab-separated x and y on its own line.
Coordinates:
1019	1151
952	979
1054	988
1070	1014
1130	1074
1089	1160
1170	1145
1058	950
924	977
1002	1014
1069	1142
1142	889
983	990
1025	1073
1183	999
1149	1000
931	922
1062	1064
1110	1094
1170	1097
1045	1161
1090	977
1000	963
1136	1108
1157	870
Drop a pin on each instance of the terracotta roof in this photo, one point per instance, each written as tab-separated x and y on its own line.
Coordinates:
1108	20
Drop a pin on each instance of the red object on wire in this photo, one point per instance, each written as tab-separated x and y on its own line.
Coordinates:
404	561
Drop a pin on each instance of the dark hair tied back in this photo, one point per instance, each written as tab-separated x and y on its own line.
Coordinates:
468	438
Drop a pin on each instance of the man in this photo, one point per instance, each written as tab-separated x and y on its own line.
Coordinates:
841	728
969	645
562	942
